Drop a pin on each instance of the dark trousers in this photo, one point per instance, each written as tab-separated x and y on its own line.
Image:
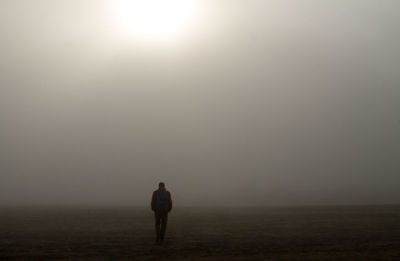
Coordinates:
161	223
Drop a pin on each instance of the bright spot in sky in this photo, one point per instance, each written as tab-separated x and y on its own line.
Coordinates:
155	19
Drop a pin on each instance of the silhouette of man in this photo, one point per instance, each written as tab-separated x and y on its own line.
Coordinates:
161	204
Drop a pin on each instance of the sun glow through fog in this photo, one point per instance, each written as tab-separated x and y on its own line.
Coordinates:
155	19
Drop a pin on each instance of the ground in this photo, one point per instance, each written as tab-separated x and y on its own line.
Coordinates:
200	233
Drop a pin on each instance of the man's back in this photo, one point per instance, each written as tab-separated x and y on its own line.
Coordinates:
156	197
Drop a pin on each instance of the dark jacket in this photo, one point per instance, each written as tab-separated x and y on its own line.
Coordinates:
154	200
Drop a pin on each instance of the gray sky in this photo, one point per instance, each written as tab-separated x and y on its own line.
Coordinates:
262	102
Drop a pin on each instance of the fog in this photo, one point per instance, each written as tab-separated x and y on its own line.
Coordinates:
259	103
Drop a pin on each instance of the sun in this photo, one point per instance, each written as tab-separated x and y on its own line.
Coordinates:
155	19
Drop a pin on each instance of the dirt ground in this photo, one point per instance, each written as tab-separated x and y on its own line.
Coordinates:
215	233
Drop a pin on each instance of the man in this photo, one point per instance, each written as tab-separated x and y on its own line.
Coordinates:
161	204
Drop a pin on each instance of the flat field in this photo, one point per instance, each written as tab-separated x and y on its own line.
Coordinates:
203	233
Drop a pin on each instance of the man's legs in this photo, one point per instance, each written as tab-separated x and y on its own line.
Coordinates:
157	218
164	219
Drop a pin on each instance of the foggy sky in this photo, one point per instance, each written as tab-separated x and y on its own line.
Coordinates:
264	103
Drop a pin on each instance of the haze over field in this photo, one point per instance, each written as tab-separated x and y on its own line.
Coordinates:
238	103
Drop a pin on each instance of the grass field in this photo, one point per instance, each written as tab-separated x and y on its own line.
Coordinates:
217	233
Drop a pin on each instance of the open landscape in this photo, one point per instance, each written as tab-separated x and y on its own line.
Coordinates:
270	127
201	233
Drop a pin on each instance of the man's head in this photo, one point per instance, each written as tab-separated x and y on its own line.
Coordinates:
161	185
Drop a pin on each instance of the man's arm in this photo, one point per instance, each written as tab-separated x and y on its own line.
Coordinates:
169	202
153	201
